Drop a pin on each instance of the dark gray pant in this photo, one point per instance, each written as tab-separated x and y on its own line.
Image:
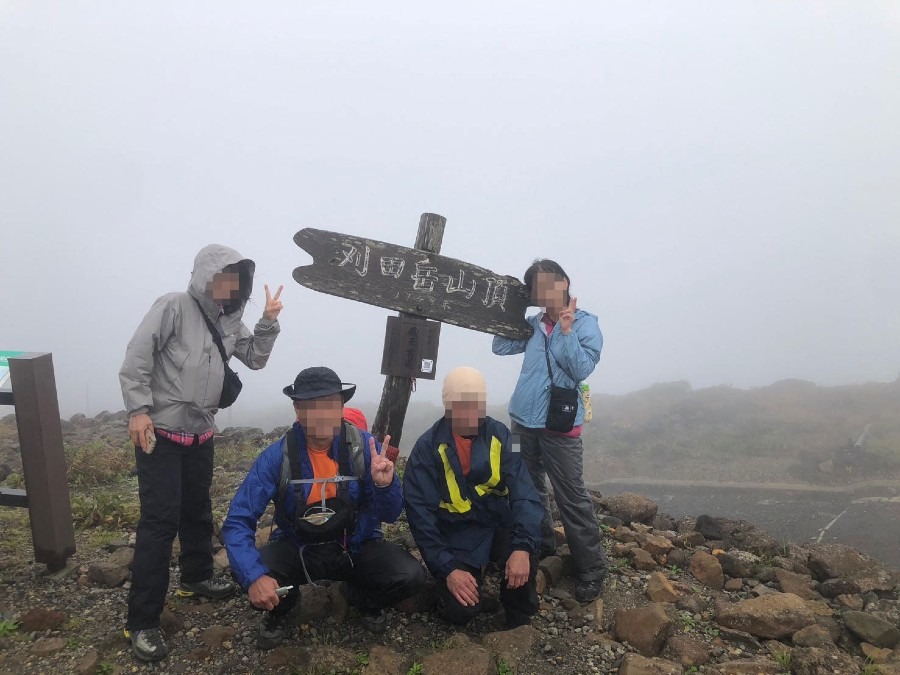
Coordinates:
561	458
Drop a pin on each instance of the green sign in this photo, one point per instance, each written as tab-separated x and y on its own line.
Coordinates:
5	356
4	367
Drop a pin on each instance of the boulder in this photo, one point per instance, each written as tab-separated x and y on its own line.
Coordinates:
630	507
815	661
776	615
830	561
689	540
552	566
48	646
813	635
107	574
872	629
88	664
798	584
875	654
635	664
315	603
889	610
750	667
644	628
656	545
736	534
40	619
464	660
214	636
706	569
321	659
660	589
738	564
687	651
835	587
734	585
854	602
641	559
512	645
385	660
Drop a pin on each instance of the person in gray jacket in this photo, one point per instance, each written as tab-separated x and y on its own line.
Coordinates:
172	381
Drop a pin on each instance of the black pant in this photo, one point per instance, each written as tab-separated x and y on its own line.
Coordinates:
379	575
520	603
174	483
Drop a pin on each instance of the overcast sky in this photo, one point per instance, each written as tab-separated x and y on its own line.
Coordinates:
720	180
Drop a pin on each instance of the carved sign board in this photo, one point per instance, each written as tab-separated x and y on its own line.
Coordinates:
411	348
413	281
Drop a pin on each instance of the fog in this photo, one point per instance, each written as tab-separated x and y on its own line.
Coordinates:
719	180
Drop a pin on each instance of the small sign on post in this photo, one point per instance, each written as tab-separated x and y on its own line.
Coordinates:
411	348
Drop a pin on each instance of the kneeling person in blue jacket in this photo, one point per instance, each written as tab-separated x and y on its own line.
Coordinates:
469	501
332	490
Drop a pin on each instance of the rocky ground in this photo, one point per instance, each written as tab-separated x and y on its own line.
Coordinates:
697	595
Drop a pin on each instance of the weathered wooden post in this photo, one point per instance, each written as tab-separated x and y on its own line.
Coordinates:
397	390
46	491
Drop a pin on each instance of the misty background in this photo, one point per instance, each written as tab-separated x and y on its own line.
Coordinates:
718	180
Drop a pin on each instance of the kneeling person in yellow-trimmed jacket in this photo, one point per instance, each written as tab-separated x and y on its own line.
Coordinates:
470	501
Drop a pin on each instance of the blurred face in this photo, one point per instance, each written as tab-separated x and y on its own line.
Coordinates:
226	286
466	414
321	417
549	291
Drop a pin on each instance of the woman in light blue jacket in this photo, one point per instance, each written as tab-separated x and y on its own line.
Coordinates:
566	343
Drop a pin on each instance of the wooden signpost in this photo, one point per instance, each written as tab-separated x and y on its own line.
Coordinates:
420	284
46	493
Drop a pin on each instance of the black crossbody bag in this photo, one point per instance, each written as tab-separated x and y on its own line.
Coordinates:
563	407
232	385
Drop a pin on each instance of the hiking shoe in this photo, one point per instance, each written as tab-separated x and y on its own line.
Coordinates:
374	622
212	588
585	591
148	644
272	629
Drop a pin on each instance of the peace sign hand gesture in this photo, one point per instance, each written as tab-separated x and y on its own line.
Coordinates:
382	468
567	316
273	304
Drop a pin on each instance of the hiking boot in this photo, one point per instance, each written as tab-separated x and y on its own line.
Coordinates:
212	588
148	644
374	622
585	591
272	629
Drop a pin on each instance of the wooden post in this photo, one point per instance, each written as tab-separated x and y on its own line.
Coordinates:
395	395
43	459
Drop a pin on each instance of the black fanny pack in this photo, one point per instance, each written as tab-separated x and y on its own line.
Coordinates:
231	386
563	406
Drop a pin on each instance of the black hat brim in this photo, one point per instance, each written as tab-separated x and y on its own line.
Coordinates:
346	391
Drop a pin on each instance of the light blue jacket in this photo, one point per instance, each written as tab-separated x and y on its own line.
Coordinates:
573	358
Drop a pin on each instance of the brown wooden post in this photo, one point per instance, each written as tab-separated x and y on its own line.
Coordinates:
43	458
395	395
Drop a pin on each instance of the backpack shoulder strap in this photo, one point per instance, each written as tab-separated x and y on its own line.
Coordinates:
354	441
290	463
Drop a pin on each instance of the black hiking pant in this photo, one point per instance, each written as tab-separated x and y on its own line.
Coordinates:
381	574
520	603
173	482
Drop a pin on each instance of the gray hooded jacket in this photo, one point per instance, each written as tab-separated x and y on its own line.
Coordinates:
173	370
